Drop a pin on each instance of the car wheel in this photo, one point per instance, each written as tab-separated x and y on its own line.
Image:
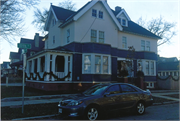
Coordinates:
92	113
140	108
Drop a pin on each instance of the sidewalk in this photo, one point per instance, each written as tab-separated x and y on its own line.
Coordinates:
17	101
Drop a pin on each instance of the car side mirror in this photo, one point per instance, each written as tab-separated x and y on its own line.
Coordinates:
106	94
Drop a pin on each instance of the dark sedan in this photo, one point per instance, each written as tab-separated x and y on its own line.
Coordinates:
94	102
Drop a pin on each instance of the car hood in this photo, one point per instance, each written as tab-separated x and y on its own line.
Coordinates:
79	96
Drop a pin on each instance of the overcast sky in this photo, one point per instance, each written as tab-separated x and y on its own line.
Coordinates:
147	9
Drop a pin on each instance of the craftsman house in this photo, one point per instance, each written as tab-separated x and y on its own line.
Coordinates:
91	46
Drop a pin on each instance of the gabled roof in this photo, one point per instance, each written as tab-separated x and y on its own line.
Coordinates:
121	12
14	55
163	59
69	16
166	66
5	65
134	28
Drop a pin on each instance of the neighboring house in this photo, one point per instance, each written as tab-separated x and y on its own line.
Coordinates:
168	66
17	58
5	68
89	46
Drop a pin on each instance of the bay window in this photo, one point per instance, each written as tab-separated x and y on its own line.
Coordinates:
96	64
105	64
87	64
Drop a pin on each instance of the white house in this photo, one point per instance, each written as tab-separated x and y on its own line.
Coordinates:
90	44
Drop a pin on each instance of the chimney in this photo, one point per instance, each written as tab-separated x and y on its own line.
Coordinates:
36	38
117	9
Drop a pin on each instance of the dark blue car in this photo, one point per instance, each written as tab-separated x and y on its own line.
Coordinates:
101	98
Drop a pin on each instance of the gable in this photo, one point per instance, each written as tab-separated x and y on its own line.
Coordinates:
123	14
90	5
59	14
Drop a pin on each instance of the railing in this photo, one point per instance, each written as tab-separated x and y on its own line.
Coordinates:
60	74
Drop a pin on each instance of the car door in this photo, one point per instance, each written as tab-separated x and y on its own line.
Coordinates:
110	97
128	97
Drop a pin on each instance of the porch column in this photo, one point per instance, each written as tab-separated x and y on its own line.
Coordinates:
66	66
38	66
32	67
53	65
47	66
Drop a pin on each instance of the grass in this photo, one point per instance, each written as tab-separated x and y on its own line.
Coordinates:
16	91
8	113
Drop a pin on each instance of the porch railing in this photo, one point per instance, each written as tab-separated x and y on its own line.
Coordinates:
60	74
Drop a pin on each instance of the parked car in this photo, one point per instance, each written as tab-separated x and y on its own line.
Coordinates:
100	98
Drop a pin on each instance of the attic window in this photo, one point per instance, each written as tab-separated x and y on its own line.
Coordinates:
94	13
101	14
124	22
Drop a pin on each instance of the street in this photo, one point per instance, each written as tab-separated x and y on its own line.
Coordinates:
159	112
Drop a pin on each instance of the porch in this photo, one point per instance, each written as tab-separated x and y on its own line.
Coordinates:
49	66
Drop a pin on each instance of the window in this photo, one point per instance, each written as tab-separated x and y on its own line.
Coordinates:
101	37
53	39
124	42
152	68
93	35
94	13
143	45
139	65
97	64
147	67
167	73
150	85
123	22
68	35
100	14
163	73
105	64
147	46
87	64
114	89
126	89
175	74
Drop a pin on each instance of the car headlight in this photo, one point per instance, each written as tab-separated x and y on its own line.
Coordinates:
74	102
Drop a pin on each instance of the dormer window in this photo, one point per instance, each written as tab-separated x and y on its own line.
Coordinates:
124	22
94	13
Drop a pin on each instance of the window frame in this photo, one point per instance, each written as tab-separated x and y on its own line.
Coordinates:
101	15
92	71
92	36
103	38
124	42
147	48
143	45
94	13
68	36
97	64
87	64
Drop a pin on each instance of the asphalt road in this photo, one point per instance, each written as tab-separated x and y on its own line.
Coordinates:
159	112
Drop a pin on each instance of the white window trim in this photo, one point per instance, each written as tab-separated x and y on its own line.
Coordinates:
102	14
93	63
144	67
145	45
126	43
96	13
97	36
149	85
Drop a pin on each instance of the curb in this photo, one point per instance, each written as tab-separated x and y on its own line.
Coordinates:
48	116
37	117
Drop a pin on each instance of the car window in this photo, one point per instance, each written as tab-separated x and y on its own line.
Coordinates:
114	89
127	88
95	90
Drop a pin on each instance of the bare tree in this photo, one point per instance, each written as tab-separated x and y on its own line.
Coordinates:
160	27
40	17
12	18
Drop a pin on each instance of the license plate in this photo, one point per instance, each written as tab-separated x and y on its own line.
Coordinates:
60	110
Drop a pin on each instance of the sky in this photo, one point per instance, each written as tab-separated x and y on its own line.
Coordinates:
147	9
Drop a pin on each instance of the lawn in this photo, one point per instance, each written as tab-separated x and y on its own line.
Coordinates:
8	113
16	91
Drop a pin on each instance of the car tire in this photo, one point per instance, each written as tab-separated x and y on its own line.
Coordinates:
140	108
92	113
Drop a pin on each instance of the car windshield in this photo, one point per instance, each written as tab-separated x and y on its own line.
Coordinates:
95	90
